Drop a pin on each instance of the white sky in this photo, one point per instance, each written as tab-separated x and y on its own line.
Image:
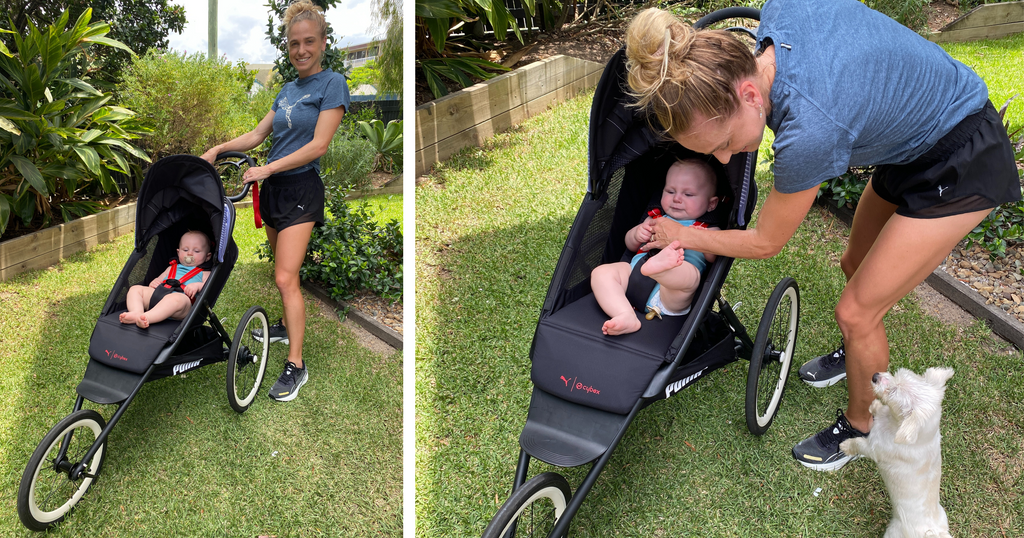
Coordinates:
242	27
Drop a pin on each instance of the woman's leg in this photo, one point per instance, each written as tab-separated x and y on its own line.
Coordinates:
885	260
289	247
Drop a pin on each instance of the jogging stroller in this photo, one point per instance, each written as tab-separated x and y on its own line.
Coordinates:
589	387
180	193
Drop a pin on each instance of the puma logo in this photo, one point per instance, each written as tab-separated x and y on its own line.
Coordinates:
942	189
565	380
288	109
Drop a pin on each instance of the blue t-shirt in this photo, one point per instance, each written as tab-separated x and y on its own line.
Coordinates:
183	270
855	88
296	109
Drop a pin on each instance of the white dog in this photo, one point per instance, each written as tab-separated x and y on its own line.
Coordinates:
904	443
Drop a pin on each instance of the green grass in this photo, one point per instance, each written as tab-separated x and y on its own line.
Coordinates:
1000	63
181	462
385	207
489	230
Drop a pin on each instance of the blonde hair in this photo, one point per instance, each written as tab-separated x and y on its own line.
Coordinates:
304	10
676	72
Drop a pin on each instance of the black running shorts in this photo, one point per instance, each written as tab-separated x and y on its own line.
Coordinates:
293	199
969	169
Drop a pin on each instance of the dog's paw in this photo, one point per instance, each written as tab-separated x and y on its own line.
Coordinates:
853	447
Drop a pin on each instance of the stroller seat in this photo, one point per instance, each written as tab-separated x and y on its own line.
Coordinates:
126	346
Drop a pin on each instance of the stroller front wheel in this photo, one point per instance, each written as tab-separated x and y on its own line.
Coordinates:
247	359
533	509
47	493
772	356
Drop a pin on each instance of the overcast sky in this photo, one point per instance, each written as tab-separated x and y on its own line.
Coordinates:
243	26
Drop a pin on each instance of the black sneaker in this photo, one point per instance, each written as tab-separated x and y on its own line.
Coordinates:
825	370
288	385
821	451
278	333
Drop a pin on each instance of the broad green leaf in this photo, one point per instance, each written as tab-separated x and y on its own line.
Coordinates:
5	211
31	173
439	9
90	157
83	85
110	42
438	29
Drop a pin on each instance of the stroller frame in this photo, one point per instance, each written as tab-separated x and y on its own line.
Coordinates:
566	431
198	340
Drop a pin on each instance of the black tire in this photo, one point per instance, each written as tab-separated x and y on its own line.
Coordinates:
47	495
247	360
531	510
772	356
741	26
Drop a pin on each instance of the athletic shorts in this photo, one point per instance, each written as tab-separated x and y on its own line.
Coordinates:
969	169
293	199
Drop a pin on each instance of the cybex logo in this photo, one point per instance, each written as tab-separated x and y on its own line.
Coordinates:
682	383
114	355
184	367
575	385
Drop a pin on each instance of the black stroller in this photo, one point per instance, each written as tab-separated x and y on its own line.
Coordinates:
180	193
589	387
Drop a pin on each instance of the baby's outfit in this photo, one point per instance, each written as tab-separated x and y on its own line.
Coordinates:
183	275
692	256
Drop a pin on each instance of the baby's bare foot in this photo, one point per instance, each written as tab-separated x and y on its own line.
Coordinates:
142	321
127	318
669	258
622	324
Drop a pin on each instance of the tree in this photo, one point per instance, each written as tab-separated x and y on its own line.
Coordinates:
139	24
368	73
387	16
332	58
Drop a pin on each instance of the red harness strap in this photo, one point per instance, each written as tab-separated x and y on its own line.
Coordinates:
174	270
256	205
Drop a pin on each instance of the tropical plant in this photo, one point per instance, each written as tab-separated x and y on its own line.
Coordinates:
387	142
59	139
333	58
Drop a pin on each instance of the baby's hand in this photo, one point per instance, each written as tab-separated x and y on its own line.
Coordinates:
154	283
192	289
645	231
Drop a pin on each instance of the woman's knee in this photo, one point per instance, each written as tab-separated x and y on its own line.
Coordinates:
854	318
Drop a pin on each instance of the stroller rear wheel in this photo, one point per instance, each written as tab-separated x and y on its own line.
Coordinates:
56	478
247	360
772	355
533	509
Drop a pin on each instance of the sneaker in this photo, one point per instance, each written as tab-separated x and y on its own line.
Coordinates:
278	333
821	451
288	385
825	370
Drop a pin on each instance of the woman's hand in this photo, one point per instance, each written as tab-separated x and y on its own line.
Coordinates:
664	232
211	155
256	173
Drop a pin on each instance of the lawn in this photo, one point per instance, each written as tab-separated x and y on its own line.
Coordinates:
181	462
1000	63
490	226
384	207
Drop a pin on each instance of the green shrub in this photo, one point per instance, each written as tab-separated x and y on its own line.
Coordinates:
909	13
59	139
386	142
351	253
190	102
348	162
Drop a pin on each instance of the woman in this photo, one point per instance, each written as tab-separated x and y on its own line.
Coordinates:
840	85
303	119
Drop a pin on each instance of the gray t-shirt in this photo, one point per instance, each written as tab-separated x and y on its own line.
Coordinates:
855	88
296	110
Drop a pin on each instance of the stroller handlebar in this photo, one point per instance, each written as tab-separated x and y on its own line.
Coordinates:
242	159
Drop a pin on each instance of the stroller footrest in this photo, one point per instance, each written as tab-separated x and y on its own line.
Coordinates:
567	434
106	385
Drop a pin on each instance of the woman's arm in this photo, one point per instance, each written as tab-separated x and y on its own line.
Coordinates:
245	142
776	223
326	125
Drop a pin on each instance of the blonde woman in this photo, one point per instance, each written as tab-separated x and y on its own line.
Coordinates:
840	85
303	120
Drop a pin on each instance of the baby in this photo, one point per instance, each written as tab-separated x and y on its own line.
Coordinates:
689	193
171	294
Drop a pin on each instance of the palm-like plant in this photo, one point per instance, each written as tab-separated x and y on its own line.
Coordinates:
59	137
386	141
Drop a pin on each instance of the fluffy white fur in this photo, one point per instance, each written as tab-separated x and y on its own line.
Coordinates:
904	443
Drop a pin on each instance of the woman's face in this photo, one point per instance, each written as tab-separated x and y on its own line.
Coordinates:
725	137
305	47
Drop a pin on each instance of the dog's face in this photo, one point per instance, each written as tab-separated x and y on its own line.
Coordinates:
914	401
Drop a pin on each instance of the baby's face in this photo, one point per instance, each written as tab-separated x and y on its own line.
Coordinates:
687	195
193	249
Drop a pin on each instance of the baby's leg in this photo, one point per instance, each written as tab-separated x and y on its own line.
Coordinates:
174	306
678	278
609	284
138	301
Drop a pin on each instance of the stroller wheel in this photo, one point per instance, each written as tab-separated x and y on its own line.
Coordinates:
247	360
772	355
48	493
533	509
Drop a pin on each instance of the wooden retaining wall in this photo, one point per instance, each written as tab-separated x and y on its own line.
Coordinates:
470	116
988	21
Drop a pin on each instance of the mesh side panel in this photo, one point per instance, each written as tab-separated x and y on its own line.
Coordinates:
593	245
137	275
